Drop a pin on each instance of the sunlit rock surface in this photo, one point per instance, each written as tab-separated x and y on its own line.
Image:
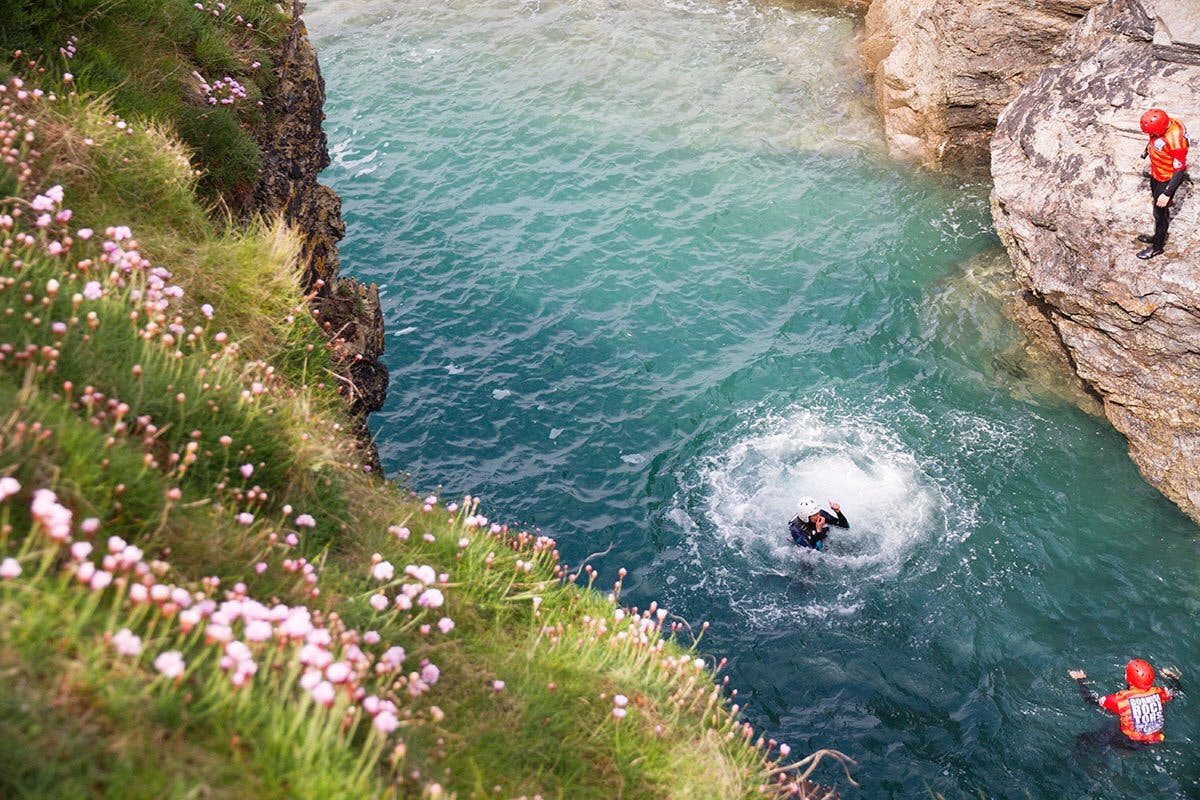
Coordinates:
1071	193
945	69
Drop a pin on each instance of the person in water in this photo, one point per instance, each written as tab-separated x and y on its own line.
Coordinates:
1167	150
1140	707
811	525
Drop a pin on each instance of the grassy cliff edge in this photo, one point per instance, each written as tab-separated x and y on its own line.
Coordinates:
202	592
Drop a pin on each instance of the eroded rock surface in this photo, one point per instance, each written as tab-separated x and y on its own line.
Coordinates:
1071	193
295	151
945	69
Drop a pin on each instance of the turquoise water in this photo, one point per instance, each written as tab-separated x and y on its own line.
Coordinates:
648	276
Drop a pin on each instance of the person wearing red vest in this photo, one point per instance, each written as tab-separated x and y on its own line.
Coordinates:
1140	707
1167	150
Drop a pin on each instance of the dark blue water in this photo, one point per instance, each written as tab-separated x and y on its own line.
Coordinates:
649	276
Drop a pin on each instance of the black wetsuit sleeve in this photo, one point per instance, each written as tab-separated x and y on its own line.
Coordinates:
1176	179
1089	694
841	520
1172	684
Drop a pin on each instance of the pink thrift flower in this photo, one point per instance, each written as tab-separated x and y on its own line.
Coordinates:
246	469
385	722
84	233
81	550
138	593
126	643
338	672
207	311
497	686
424	573
372	637
292	539
383	571
260	567
403	602
393	657
89	526
9	569
54	517
85	571
445	624
258	630
8	487
619	713
399	532
170	664
784	750
245	518
324	693
101	580
620	700
378	602
464	543
431	598
306	521
430	674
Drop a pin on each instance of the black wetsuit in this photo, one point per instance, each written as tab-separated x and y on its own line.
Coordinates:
804	533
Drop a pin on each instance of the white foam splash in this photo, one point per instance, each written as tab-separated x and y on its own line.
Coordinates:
754	485
734	511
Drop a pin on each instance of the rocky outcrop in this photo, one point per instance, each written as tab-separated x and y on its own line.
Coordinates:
1071	193
945	69
295	151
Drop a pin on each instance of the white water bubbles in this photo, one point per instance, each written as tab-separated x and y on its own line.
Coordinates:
734	508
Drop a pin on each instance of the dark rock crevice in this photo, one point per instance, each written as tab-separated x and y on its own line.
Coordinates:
295	151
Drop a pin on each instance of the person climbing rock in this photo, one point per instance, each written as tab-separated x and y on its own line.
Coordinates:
1167	151
811	525
1140	707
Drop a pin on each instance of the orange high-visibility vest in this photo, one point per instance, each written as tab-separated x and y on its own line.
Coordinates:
1141	712
1168	153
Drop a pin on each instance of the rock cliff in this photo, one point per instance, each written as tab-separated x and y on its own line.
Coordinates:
1071	193
295	151
944	69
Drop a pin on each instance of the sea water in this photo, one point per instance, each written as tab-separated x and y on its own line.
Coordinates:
649	276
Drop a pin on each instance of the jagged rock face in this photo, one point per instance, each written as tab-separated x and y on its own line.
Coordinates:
295	150
1071	193
945	69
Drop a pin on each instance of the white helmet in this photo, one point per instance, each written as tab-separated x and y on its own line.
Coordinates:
807	507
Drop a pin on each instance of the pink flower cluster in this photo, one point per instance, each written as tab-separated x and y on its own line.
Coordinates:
218	9
225	91
335	661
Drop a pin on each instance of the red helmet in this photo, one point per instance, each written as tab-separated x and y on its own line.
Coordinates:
1139	674
1155	122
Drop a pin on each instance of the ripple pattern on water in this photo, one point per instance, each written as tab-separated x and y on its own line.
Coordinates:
648	275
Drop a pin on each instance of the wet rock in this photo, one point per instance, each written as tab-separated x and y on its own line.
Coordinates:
1071	193
945	69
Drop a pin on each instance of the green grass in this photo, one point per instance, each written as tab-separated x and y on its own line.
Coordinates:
143	54
128	427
